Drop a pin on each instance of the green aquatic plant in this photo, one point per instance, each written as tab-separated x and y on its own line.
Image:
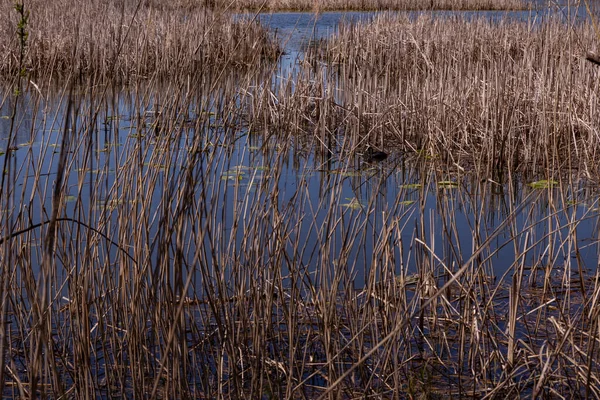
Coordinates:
411	186
352	203
543	184
447	185
22	34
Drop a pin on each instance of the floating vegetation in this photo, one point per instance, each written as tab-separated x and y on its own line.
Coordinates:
234	174
114	204
406	202
543	184
346	172
94	171
447	185
353	204
411	186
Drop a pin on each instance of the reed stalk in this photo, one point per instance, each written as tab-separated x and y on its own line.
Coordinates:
220	235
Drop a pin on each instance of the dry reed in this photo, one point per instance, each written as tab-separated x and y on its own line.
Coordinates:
127	41
499	94
194	238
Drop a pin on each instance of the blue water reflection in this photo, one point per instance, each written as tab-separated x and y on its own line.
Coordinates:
430	216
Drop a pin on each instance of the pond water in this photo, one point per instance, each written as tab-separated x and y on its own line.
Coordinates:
417	204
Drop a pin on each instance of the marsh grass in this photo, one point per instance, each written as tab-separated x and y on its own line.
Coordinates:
505	96
218	235
128	40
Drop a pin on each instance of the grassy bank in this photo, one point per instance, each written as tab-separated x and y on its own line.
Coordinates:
129	39
369	5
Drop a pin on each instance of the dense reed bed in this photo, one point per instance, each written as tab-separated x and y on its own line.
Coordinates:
129	40
503	96
370	5
221	236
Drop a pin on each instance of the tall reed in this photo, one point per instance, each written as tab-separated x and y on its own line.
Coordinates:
508	94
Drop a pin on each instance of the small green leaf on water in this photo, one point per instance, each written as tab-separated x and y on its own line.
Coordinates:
70	198
411	279
543	184
447	185
112	204
94	171
239	169
350	174
411	186
231	178
406	202
353	204
345	172
232	175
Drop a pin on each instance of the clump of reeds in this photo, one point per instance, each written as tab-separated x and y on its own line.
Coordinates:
512	94
370	5
131	39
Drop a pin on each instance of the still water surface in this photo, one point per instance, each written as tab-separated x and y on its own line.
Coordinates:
453	214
